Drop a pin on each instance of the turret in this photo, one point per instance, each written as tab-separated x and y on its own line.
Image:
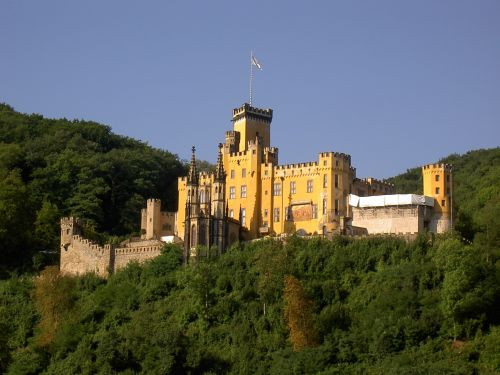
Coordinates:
438	183
70	226
192	202
251	122
153	218
219	187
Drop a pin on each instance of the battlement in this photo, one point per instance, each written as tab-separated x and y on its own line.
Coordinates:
446	167
338	155
239	153
231	134
138	250
297	165
205	175
271	150
70	221
247	111
153	201
373	181
91	245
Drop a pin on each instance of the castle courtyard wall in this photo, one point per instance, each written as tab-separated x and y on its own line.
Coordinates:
125	255
387	220
82	256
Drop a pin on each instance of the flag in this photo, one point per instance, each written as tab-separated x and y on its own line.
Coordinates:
256	63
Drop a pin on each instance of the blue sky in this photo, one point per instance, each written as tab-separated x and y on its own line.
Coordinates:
395	84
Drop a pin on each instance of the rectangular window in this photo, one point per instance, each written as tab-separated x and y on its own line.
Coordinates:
447	191
309	186
314	211
325	180
437	190
447	178
293	188
232	173
336	207
437	177
288	211
336	163
443	203
325	204
243	172
265	173
231	213
243	191
265	224
243	217
276	189
266	212
232	193
276	214
336	180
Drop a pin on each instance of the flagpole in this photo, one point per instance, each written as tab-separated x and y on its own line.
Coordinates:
251	75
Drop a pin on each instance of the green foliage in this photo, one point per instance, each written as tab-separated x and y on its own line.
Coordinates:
376	305
51	168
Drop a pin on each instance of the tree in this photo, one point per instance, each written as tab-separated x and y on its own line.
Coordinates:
298	315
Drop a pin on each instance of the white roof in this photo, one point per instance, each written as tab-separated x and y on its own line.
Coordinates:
390	200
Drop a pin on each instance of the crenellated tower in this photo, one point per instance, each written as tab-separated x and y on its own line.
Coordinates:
438	183
70	227
251	123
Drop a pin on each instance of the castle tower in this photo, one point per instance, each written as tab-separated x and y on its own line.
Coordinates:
69	228
250	123
153	219
438	183
219	187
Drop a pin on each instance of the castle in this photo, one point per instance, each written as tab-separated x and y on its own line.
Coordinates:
250	195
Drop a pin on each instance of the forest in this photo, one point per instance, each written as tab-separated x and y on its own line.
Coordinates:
376	305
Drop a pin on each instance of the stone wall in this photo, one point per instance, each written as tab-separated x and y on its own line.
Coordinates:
439	223
81	256
139	251
399	220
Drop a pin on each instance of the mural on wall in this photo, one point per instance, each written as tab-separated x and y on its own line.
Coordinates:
302	212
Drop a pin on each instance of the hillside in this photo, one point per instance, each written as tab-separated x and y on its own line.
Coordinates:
51	168
376	305
476	197
371	306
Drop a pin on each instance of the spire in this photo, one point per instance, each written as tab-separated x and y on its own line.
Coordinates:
219	171
193	175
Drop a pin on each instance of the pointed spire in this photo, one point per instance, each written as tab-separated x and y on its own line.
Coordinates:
219	171
193	175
